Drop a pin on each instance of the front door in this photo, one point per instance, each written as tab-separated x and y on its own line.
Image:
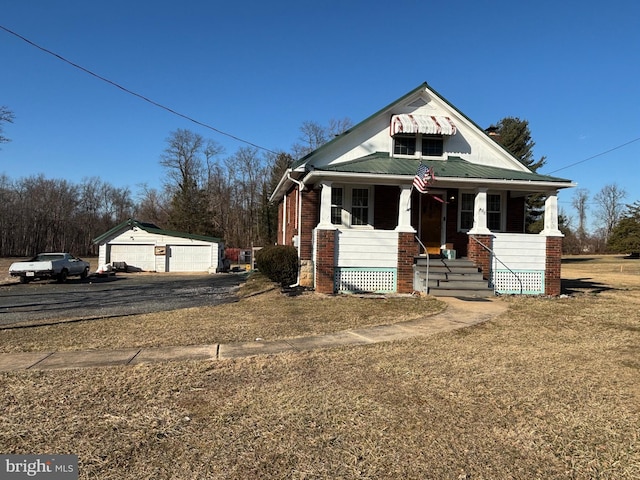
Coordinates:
431	219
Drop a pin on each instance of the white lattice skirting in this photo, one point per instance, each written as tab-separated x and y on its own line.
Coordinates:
370	280
504	281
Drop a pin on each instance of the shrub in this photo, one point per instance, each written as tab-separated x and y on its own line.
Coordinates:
279	263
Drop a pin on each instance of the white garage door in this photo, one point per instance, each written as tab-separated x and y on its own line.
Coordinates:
138	256
190	258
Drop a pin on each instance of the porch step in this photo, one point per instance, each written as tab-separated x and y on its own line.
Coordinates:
454	278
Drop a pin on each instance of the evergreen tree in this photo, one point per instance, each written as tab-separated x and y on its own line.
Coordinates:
279	165
514	135
625	236
184	164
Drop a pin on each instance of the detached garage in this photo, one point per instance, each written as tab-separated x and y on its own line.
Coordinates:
147	247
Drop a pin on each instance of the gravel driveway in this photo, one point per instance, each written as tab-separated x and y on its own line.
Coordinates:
121	294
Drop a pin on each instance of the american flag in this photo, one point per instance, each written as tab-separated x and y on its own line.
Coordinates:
424	177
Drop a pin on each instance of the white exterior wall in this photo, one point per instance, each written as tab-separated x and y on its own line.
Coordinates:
469	142
520	251
525	257
367	248
102	254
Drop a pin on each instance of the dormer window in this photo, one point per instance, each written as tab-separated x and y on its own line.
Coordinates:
432	146
422	134
404	144
425	145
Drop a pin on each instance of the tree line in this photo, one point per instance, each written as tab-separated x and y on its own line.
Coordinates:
39	214
203	192
207	192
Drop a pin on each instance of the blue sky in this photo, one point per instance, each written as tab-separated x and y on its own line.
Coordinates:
258	69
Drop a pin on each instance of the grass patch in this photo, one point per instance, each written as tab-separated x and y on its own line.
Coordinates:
263	312
548	390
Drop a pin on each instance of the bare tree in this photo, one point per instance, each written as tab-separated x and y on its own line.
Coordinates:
153	205
184	160
338	126
579	202
6	116
313	135
610	207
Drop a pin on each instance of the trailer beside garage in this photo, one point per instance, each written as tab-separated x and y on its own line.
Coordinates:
147	247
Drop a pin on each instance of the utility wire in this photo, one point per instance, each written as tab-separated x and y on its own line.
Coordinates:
597	155
130	92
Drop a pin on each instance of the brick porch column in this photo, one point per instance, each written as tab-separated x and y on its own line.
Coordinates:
552	284
325	260
407	250
479	255
552	273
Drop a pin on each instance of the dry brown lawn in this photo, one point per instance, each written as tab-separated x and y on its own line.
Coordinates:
549	390
263	313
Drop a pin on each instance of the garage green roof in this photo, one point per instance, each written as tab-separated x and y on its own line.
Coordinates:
151	228
454	167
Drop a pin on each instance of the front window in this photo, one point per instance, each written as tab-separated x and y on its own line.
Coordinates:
360	206
494	212
336	205
351	206
467	201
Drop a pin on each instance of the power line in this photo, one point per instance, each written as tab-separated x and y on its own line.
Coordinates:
130	92
597	155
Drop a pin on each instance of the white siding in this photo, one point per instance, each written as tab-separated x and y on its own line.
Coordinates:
102	254
519	251
522	263
469	142
191	258
367	248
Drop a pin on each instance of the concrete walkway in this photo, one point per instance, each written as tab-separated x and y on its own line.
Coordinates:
459	313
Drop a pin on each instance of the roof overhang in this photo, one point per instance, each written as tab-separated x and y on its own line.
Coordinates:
440	182
315	176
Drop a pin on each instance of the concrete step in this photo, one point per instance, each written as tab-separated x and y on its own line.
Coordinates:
458	262
477	293
458	284
443	273
454	278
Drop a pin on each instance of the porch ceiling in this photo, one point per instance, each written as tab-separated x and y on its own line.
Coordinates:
453	168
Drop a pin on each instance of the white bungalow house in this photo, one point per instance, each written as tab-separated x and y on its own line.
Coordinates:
359	223
147	247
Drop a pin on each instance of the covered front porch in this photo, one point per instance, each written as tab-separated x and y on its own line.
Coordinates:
482	225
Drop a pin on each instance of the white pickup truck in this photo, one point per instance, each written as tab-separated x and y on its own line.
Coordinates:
49	265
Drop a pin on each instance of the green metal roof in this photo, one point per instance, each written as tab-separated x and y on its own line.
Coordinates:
151	228
454	167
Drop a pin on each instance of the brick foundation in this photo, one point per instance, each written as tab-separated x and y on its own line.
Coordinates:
479	255
407	249
552	274
325	260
